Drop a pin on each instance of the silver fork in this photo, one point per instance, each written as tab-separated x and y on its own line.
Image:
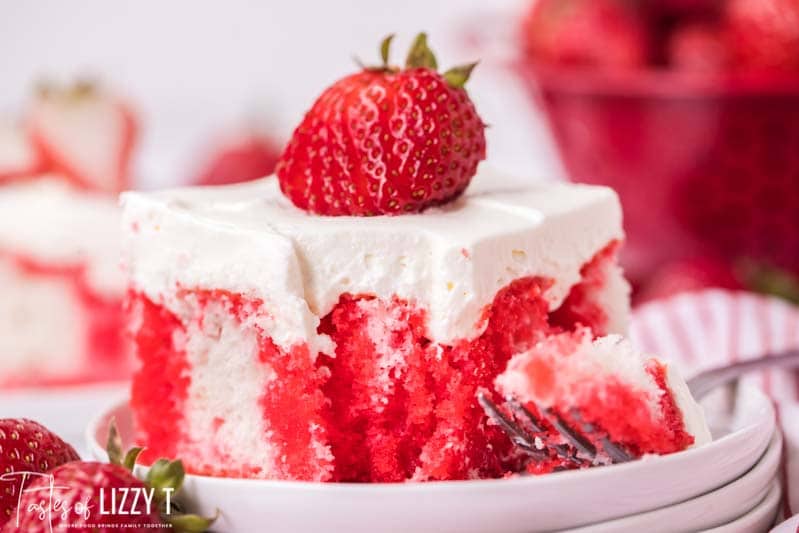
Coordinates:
528	433
704	382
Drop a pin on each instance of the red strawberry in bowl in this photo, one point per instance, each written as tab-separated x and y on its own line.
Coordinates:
698	47
85	134
765	34
607	34
26	447
688	275
385	140
687	7
242	158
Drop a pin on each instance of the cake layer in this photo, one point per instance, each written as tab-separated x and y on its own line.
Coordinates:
55	329
40	323
61	316
51	222
384	403
353	349
450	261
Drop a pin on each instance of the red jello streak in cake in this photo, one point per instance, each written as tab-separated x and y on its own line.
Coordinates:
612	408
381	410
107	355
291	402
160	386
625	414
678	437
581	305
391	404
449	438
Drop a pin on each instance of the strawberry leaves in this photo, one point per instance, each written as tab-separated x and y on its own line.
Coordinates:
130	458
385	48
190	523
113	445
420	55
165	478
458	76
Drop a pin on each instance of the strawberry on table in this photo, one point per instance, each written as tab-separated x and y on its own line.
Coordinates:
26	446
105	497
386	140
243	158
82	482
85	134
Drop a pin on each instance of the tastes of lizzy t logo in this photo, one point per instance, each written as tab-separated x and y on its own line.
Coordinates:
39	498
100	496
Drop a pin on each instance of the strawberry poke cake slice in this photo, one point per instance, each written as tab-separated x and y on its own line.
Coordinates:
277	343
61	318
339	321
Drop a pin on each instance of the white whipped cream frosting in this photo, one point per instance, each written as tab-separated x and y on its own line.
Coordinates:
450	261
48	220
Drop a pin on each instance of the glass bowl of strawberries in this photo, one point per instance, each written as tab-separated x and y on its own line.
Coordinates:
689	109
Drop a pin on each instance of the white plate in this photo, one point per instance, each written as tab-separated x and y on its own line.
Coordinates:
708	510
761	518
788	526
530	503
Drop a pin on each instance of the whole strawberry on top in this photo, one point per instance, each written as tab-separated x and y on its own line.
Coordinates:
386	140
26	446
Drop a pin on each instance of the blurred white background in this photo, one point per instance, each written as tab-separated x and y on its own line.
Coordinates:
194	69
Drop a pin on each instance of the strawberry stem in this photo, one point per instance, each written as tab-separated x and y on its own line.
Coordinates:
113	444
165	474
130	458
771	280
191	523
420	55
385	48
457	77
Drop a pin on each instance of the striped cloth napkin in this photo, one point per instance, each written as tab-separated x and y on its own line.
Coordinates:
710	328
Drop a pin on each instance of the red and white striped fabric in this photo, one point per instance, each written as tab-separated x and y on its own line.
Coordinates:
715	327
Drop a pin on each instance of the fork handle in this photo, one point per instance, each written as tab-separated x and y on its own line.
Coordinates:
706	381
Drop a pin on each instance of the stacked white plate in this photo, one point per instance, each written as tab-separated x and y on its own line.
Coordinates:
728	485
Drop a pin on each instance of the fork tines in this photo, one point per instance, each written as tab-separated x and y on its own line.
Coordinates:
528	432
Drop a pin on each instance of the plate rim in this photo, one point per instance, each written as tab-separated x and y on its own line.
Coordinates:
775	446
97	451
772	498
